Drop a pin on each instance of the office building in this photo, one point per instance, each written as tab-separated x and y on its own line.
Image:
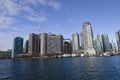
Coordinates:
54	43
106	43
97	46
118	39
75	42
33	47
67	46
113	46
26	46
87	38
17	46
99	38
43	43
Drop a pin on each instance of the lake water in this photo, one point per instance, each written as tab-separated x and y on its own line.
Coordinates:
80	68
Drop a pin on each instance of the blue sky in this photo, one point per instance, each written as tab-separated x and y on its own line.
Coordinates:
21	17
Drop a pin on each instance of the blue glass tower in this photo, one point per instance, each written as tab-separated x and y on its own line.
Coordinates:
106	43
17	46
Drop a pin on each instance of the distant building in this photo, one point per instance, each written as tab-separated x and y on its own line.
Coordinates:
113	47
43	43
106	43
99	38
17	46
33	47
54	43
26	46
118	39
87	38
6	54
67	46
75	42
97	46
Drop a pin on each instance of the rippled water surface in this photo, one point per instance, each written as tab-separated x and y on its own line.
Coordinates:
81	68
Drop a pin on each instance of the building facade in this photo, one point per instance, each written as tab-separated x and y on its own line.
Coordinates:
118	39
26	46
33	47
113	47
97	46
75	42
67	46
106	43
87	38
99	38
54	43
43	43
17	46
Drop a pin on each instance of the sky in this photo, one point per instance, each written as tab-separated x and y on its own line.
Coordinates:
21	17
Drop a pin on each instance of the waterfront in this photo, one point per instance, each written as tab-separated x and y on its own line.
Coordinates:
79	68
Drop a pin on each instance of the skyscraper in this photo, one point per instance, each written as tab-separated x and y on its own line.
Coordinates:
17	46
75	42
33	47
26	46
118	39
54	43
67	46
99	38
106	43
113	46
87	38
43	43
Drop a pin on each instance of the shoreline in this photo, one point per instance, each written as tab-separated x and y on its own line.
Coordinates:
49	57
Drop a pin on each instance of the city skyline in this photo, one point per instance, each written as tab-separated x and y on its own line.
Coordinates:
56	16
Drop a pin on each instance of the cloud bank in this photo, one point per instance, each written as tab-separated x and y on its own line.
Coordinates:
17	16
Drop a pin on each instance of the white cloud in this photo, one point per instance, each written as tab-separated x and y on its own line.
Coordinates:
56	5
12	10
50	3
9	7
24	7
37	18
5	20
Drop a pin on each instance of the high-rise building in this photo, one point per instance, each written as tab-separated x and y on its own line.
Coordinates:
26	46
97	46
99	38
43	43
87	38
17	46
75	42
118	39
106	43
67	46
54	44
33	47
113	46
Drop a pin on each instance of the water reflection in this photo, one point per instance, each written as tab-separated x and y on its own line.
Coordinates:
92	68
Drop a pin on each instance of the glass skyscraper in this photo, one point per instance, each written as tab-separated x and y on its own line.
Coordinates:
106	43
75	42
118	39
87	36
17	46
87	39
